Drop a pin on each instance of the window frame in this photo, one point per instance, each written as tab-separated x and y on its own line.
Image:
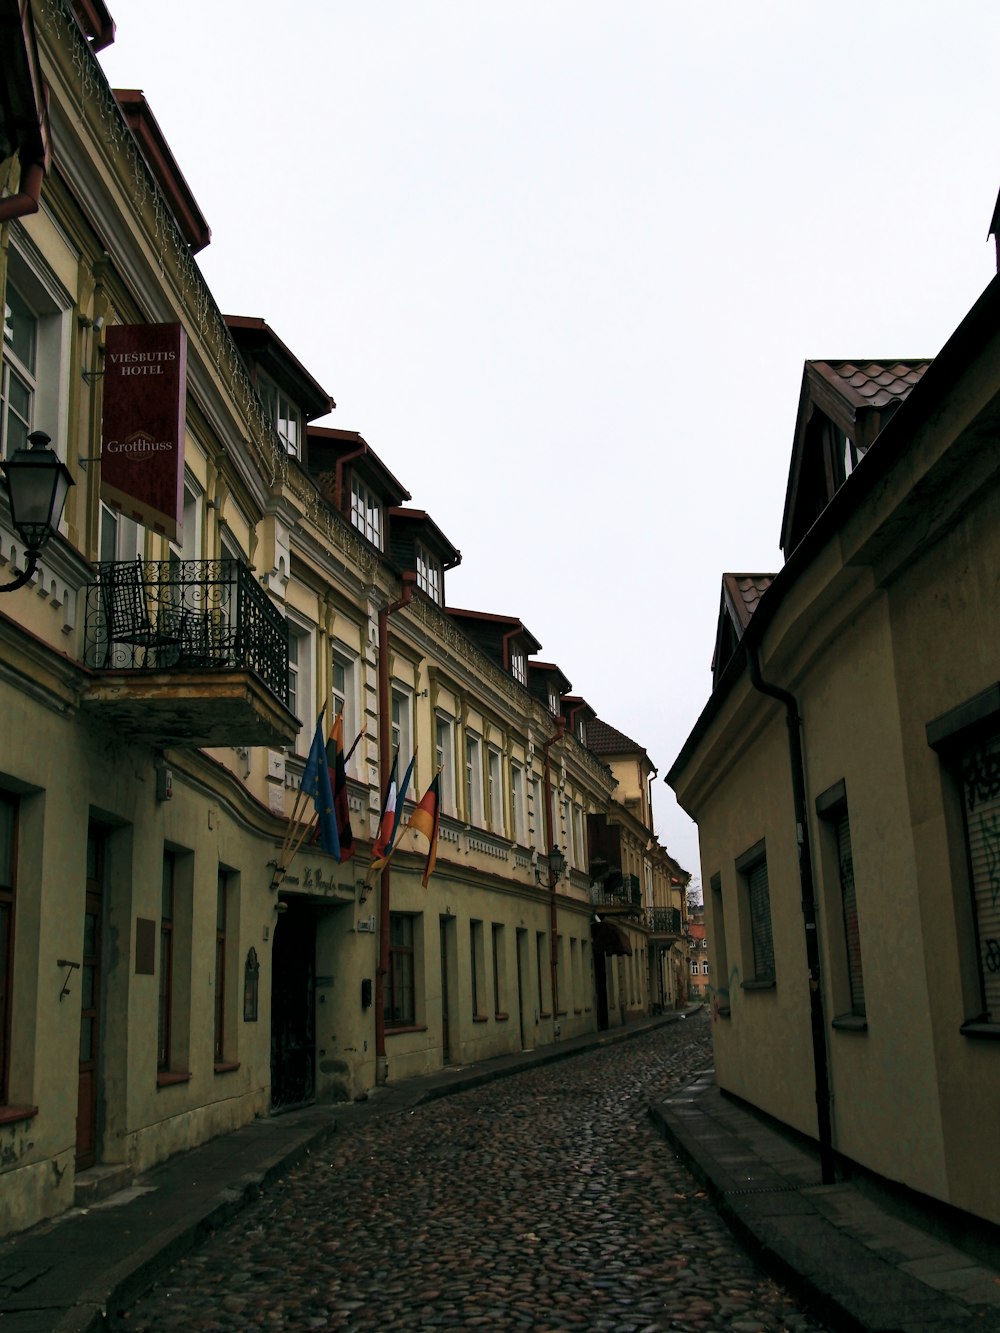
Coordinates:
400	980
757	934
367	512
848	966
473	786
494	788
8	908
430	573
444	748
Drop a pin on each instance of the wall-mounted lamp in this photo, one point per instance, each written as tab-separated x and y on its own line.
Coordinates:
37	485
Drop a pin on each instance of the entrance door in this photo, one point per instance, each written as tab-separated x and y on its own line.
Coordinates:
90	992
445	1027
601	989
293	988
521	948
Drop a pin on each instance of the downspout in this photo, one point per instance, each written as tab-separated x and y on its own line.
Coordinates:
820	1064
28	198
553	879
338	482
384	759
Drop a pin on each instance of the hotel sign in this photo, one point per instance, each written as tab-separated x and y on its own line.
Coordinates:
142	458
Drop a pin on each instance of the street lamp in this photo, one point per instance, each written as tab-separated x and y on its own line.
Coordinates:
37	484
557	863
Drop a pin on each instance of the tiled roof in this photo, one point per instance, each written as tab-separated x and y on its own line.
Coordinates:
745	591
872	383
603	738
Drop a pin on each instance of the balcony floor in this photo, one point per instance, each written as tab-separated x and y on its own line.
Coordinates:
200	709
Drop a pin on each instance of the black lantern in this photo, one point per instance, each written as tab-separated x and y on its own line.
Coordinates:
37	484
557	863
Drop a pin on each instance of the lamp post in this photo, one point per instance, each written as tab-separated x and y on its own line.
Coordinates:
37	486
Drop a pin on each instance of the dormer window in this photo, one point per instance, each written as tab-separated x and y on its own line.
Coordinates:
283	414
366	512
428	574
553	701
519	668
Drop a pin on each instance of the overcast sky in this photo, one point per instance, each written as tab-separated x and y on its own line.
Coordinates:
561	263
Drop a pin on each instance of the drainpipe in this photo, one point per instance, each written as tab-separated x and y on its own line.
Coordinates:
550	841
820	1066
338	484
27	199
384	759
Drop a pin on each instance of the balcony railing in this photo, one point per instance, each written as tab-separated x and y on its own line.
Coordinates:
664	920
185	615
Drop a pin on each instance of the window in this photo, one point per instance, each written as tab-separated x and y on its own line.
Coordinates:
553	701
283	413
343	701
166	962
519	668
838	866
752	866
220	965
473	782
577	839
704	967
498	969
366	512
495	789
17	385
541	962
980	769
445	753
538	814
120	536
520	814
399	991
401	706
300	694
694	967
477	960
718	929
428	574
8	865
34	392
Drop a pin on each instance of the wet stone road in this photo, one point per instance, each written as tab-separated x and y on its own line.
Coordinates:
541	1201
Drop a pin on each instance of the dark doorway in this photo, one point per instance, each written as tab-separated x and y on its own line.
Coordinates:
90	1001
445	1014
601	987
293	986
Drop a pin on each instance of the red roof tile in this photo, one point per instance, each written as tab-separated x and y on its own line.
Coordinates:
872	383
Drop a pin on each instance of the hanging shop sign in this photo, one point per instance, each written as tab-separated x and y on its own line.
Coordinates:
142	457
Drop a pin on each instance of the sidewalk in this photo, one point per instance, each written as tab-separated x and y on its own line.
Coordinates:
62	1275
858	1256
849	1255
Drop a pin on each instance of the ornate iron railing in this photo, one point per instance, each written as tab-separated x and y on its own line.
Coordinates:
664	920
188	614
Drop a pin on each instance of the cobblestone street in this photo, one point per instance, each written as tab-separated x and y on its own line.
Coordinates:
540	1201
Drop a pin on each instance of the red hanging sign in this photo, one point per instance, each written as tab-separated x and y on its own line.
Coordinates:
142	459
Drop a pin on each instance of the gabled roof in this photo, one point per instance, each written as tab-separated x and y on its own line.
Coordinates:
839	402
162	163
505	624
328	448
449	555
740	595
256	339
563	683
603	738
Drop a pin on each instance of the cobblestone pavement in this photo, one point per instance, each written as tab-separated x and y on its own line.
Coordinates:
541	1201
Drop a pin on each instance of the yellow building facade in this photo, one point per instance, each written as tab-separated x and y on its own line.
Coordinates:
841	779
167	970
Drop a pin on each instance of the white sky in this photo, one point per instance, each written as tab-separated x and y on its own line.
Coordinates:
560	262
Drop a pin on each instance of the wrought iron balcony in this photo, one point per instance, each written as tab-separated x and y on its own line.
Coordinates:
664	920
189	652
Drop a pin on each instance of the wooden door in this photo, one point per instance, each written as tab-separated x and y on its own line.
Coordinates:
90	999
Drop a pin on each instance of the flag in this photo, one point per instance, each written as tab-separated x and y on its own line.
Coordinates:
391	812
316	783
338	781
387	820
425	820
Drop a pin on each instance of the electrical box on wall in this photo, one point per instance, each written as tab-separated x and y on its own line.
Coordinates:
366	925
164	783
